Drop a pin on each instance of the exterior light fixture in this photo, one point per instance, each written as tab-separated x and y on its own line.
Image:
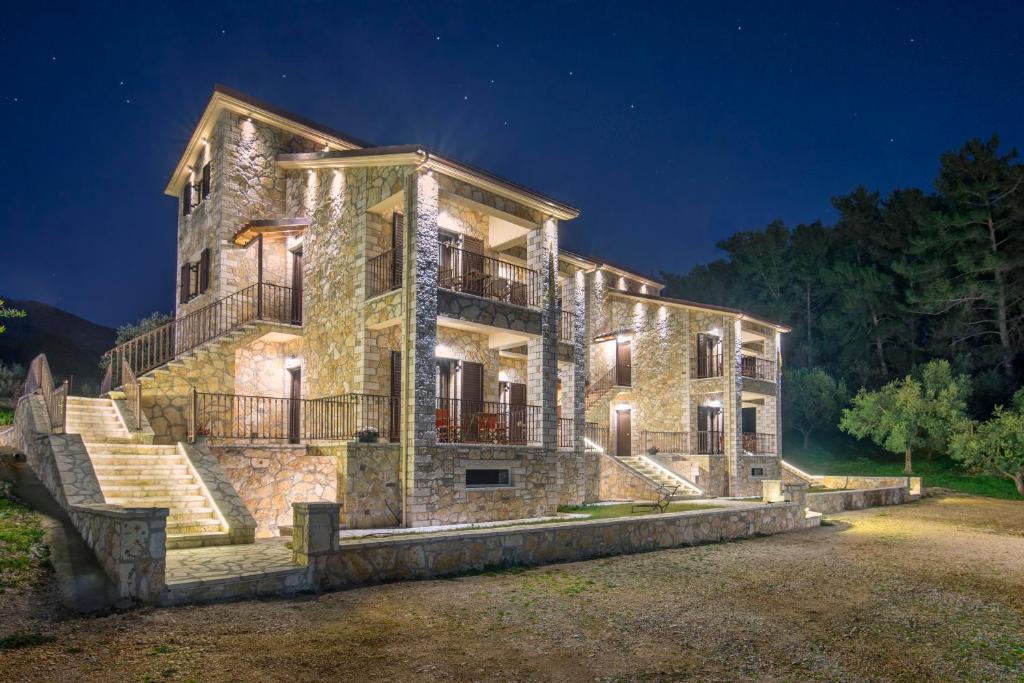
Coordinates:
620	407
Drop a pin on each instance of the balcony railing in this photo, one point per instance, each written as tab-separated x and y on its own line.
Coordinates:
152	349
566	432
759	444
472	273
665	442
459	421
566	325
269	418
755	367
596	435
709	365
708	443
381	274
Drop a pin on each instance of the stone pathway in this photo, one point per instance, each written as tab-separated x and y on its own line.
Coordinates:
249	560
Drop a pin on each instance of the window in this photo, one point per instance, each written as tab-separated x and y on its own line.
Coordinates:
487	478
757	471
204	184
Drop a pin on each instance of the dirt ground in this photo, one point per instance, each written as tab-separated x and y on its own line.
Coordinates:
932	591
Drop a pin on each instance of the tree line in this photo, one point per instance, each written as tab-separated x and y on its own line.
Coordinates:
896	281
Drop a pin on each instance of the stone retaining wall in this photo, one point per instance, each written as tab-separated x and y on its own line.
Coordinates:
847	483
129	543
838	501
331	564
619	482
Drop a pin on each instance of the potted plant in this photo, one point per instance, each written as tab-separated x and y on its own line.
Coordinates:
367	435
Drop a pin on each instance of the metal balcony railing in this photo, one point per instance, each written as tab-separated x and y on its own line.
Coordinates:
759	443
472	273
459	421
665	442
756	367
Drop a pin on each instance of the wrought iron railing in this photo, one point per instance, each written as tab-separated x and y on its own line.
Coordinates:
262	301
566	325
708	442
297	420
40	381
759	443
566	432
709	365
381	274
595	390
665	442
459	421
755	367
132	390
595	436
472	273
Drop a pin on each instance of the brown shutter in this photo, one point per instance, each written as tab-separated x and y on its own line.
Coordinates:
472	397
396	397
517	394
397	245
472	272
205	183
183	287
186	200
204	271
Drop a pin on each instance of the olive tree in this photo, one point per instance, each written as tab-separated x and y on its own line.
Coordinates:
995	446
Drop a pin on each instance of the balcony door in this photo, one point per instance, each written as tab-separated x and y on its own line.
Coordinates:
395	418
709	355
513	396
296	317
294	405
709	430
623	362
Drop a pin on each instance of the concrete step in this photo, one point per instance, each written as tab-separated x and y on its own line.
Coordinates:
192	516
146	479
196	527
132	449
147	490
184	541
182	502
106	469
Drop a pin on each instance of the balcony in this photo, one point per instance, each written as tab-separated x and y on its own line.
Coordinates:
468	272
664	442
755	367
383	274
566	324
487	422
566	432
759	444
237	417
708	443
709	365
596	437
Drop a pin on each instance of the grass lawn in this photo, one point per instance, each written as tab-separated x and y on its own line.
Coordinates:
840	454
21	541
623	509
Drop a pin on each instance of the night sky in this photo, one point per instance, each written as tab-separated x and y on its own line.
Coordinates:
671	126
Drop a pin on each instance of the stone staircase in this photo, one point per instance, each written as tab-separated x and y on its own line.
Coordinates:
197	356
134	474
662	476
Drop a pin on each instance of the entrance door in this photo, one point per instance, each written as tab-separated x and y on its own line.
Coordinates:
623	433
297	287
623	363
294	405
749	420
395	421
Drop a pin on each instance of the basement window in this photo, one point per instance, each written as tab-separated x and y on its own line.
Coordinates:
489	477
757	471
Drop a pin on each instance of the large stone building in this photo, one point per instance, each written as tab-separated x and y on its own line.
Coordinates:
397	331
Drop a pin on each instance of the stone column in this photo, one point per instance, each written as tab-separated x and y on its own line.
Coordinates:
732	405
542	351
778	394
314	537
419	338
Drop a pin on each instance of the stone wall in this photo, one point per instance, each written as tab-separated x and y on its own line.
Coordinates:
442	497
709	472
913	484
837	501
269	479
368	476
331	564
618	482
129	543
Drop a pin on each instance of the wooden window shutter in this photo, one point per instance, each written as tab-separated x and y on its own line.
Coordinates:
205	183
517	394
474	245
472	383
186	200
184	289
395	423
397	245
204	271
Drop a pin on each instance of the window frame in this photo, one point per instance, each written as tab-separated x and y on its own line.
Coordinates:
507	483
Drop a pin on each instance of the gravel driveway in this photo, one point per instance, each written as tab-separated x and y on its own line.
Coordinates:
931	591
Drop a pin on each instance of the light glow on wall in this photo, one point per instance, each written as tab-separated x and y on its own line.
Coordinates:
444	351
712	403
622	407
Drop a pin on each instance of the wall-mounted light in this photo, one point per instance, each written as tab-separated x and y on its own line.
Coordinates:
622	407
623	338
292	361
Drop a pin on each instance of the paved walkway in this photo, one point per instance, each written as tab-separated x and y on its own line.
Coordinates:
193	565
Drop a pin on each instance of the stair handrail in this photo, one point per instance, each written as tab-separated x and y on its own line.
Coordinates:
159	346
40	381
603	384
132	390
